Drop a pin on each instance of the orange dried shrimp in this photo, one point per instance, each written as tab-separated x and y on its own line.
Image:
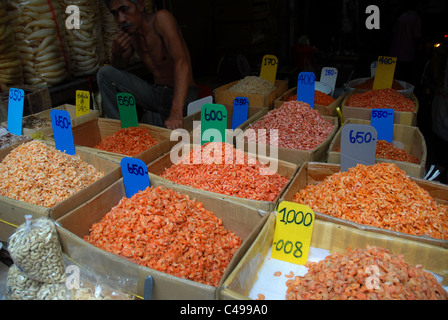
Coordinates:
228	176
128	141
167	231
380	195
368	84
381	99
386	150
37	173
299	127
364	274
320	98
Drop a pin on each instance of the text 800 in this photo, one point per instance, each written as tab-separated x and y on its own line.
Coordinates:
246	309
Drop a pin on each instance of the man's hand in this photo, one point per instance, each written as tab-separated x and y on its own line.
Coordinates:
122	47
174	122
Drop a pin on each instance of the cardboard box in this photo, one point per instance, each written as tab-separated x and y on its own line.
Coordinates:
314	173
400	117
12	211
90	133
244	221
37	99
48	131
296	156
334	238
329	110
285	169
223	96
408	138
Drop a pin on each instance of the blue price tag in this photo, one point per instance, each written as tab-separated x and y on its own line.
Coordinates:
383	121
135	175
240	111
305	88
358	145
62	131
15	111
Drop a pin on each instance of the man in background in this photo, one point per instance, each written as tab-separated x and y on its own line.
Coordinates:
157	39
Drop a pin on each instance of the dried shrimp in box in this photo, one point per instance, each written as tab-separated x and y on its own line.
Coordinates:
382	98
299	127
380	195
128	141
226	170
167	231
39	174
365	274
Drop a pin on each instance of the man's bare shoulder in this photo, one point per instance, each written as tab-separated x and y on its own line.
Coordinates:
164	19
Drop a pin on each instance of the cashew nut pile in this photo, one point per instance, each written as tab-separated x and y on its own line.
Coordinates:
19	286
85	44
10	63
36	250
38	36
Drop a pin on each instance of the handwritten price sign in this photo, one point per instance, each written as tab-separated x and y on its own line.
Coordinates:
384	75
358	145
15	111
269	65
383	121
135	175
62	131
127	109
329	76
240	111
213	123
305	87
293	230
82	102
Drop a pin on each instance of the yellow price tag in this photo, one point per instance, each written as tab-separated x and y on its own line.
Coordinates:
82	102
269	68
384	75
293	230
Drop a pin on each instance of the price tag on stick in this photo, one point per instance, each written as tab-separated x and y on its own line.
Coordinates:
269	68
306	87
240	111
195	106
358	145
127	109
384	74
329	76
213	123
82	102
383	121
135	175
15	111
62	131
293	230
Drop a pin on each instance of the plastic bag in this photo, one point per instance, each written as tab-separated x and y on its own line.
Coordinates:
35	249
19	286
81	284
39	38
10	63
86	43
